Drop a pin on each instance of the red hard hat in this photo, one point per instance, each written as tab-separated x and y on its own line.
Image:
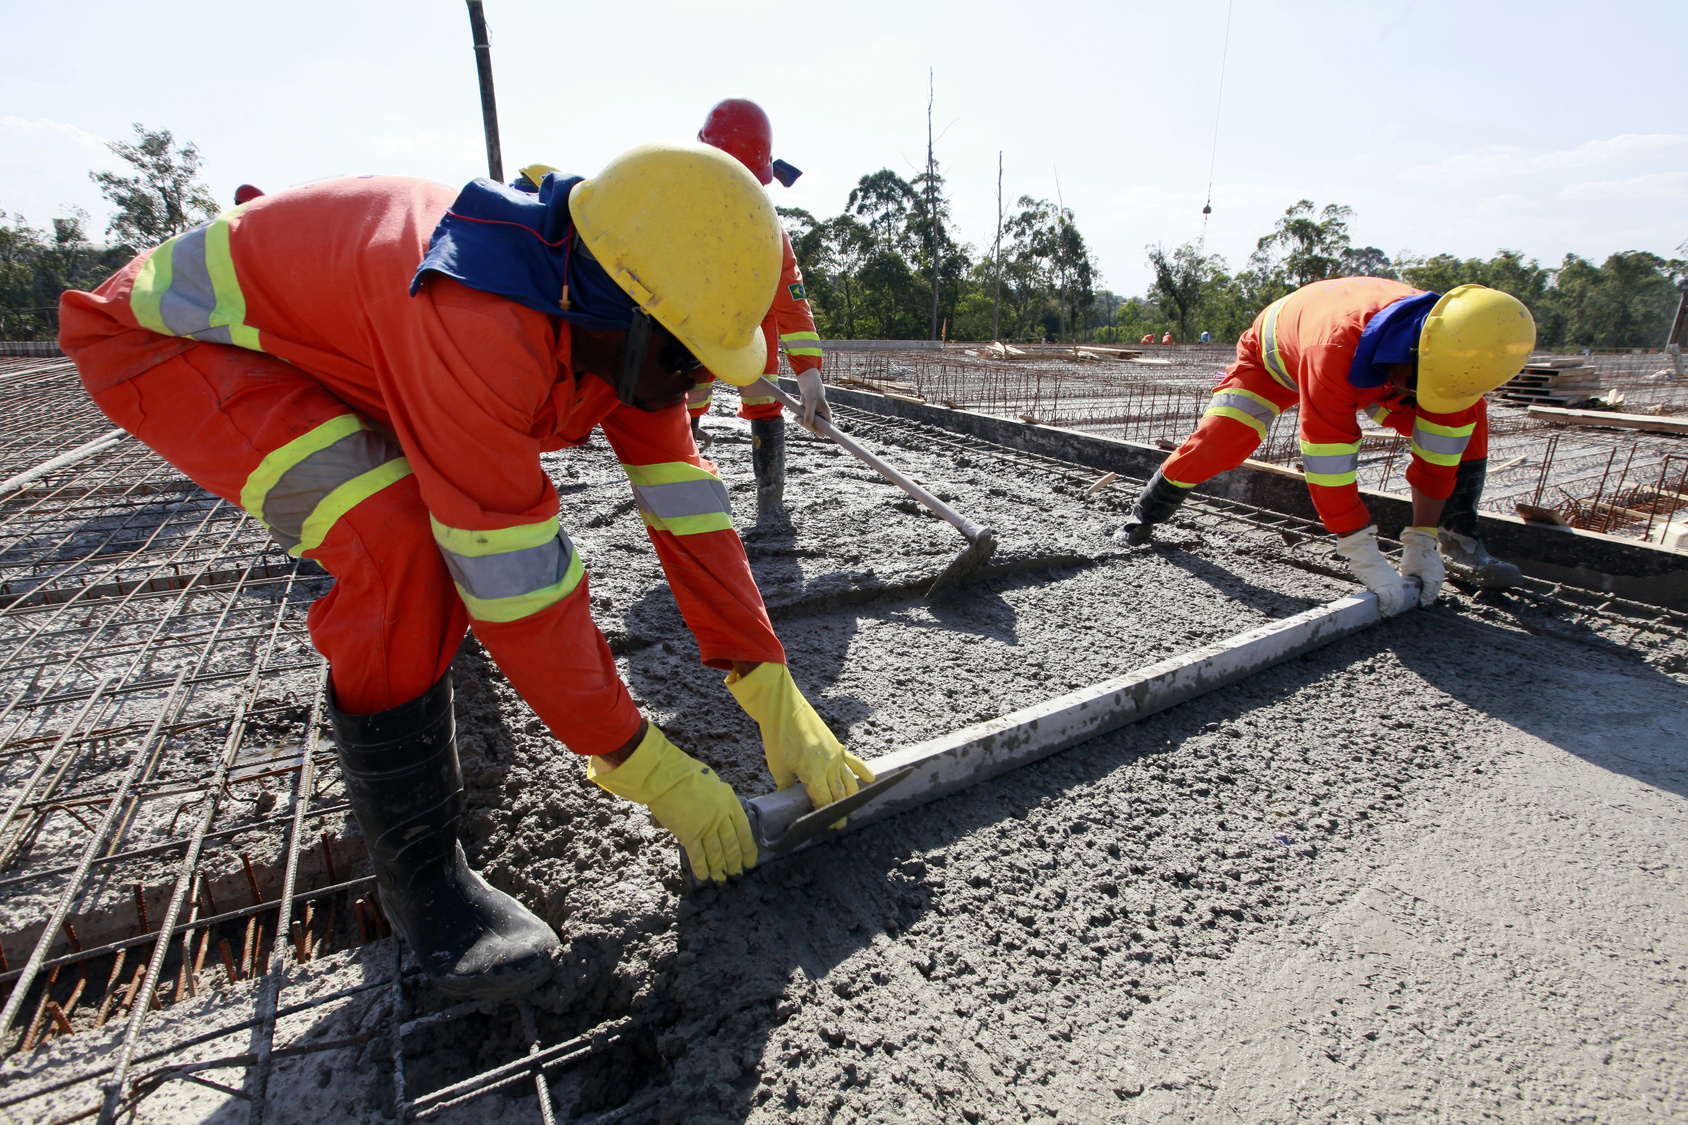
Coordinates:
245	193
739	128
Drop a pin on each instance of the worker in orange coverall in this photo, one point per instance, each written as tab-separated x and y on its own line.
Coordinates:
1414	361
371	367
740	128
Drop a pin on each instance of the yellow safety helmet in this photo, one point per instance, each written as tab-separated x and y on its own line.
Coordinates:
689	234
1475	339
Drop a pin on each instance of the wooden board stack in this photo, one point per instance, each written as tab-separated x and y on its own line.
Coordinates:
1566	381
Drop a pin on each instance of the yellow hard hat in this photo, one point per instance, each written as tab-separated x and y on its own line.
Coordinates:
1475	339
689	234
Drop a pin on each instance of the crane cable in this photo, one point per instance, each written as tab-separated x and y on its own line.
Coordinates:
1213	158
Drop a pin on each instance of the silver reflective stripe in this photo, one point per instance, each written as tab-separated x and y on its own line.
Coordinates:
1246	405
1446	444
1334	464
293	497
512	573
683	498
186	307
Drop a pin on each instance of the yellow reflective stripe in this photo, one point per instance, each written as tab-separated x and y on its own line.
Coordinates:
1444	459
1381	415
231	302
474	544
271	468
666	472
1332	480
1261	399
1178	483
344	498
151	283
1329	449
801	340
756	400
1236	415
501	610
689	525
1270	353
1428	426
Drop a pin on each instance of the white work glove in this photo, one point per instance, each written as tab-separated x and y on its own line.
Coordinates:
814	399
1370	567
1421	556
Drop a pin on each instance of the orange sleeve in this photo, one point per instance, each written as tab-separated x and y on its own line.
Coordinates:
793	319
1330	437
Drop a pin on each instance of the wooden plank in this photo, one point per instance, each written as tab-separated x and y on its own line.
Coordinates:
1650	423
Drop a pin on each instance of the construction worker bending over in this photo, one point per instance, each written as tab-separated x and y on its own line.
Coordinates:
739	127
1414	361
371	367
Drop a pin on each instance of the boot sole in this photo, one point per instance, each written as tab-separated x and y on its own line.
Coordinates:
508	983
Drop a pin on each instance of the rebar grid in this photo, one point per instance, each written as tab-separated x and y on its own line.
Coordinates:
1620	483
158	682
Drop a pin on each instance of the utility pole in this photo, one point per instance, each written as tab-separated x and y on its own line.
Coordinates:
932	200
1060	247
1673	341
489	108
996	302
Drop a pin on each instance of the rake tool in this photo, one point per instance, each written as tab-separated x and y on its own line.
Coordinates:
981	541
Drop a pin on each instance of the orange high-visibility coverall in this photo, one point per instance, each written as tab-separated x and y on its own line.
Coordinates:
1298	352
790	323
396	441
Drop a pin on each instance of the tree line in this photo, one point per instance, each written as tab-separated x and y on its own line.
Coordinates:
889	267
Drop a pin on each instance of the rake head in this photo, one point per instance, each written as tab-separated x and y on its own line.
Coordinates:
965	565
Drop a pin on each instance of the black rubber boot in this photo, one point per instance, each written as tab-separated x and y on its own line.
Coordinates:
402	778
1458	533
767	459
1159	499
699	438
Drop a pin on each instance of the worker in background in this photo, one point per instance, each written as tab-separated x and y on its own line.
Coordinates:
1148	338
1166	339
740	128
1414	361
1207	337
371	367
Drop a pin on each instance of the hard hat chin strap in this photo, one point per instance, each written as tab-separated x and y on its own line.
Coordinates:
672	356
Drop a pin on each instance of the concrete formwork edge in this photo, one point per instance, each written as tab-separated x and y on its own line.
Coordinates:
1586	559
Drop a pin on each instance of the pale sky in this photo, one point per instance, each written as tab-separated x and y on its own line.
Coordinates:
1461	127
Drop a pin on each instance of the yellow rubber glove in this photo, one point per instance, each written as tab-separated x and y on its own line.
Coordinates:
688	799
797	744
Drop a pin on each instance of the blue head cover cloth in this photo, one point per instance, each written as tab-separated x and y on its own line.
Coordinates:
785	173
523	246
1390	337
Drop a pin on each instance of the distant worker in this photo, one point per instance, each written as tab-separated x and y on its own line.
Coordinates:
371	367
740	128
1167	339
1148	338
1414	361
1207	337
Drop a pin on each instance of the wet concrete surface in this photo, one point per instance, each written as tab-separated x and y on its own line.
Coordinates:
1436	868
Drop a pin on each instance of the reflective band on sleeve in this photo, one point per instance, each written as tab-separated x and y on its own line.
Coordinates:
509	573
188	287
301	489
1250	409
756	400
801	343
679	497
1380	415
1269	353
1332	464
1439	444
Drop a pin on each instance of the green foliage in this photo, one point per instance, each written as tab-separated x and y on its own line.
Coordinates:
162	199
36	268
868	271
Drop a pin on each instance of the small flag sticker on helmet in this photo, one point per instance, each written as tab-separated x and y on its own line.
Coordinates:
797	293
